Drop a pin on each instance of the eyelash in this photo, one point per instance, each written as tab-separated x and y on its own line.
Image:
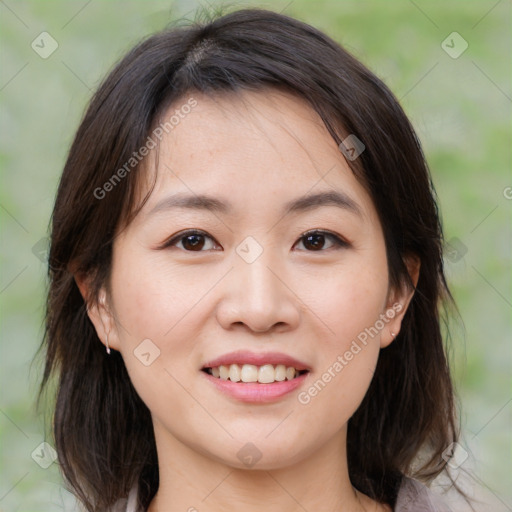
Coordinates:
338	242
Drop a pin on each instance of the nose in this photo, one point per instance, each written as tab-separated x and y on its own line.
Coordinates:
257	295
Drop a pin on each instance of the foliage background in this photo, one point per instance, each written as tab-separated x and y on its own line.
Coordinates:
460	108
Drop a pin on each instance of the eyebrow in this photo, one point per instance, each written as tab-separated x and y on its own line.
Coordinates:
301	204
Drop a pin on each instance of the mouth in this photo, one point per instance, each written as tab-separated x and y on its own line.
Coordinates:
250	373
253	377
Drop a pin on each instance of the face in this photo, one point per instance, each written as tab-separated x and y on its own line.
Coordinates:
265	274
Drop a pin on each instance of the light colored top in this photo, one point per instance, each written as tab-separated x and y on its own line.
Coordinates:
413	496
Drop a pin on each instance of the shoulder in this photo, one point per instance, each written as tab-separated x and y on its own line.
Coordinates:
416	496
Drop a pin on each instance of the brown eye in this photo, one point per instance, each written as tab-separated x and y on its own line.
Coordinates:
196	241
191	241
315	241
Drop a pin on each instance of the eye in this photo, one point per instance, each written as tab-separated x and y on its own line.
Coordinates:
192	241
316	240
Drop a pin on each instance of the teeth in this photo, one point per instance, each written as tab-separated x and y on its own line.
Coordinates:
280	372
234	373
224	372
290	372
249	373
265	374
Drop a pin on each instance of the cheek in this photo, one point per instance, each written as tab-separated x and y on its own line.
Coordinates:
332	396
152	298
347	359
159	313
350	300
350	307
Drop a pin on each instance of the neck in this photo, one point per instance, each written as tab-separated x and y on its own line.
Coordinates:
193	482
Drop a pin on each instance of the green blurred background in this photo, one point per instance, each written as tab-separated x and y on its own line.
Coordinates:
460	106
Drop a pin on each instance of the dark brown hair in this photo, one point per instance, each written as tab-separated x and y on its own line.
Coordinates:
103	431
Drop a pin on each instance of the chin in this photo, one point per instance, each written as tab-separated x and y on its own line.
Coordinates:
264	454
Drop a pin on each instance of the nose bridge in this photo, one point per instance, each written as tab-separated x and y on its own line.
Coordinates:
257	282
257	295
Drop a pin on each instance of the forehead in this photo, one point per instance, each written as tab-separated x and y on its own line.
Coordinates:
268	123
255	146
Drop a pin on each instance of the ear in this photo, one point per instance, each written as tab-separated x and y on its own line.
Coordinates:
99	312
398	302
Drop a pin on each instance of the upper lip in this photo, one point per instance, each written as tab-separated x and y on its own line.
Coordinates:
242	357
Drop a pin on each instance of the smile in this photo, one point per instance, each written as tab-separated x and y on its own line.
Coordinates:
247	373
256	392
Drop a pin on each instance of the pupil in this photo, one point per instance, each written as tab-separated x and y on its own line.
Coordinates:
194	244
315	245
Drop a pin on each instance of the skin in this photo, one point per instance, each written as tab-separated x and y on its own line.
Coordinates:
257	151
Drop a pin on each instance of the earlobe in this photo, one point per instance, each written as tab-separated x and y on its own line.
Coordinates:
394	313
399	300
99	313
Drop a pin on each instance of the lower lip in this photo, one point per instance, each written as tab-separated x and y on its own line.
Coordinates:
254	392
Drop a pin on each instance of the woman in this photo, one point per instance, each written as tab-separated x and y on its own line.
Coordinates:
246	226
